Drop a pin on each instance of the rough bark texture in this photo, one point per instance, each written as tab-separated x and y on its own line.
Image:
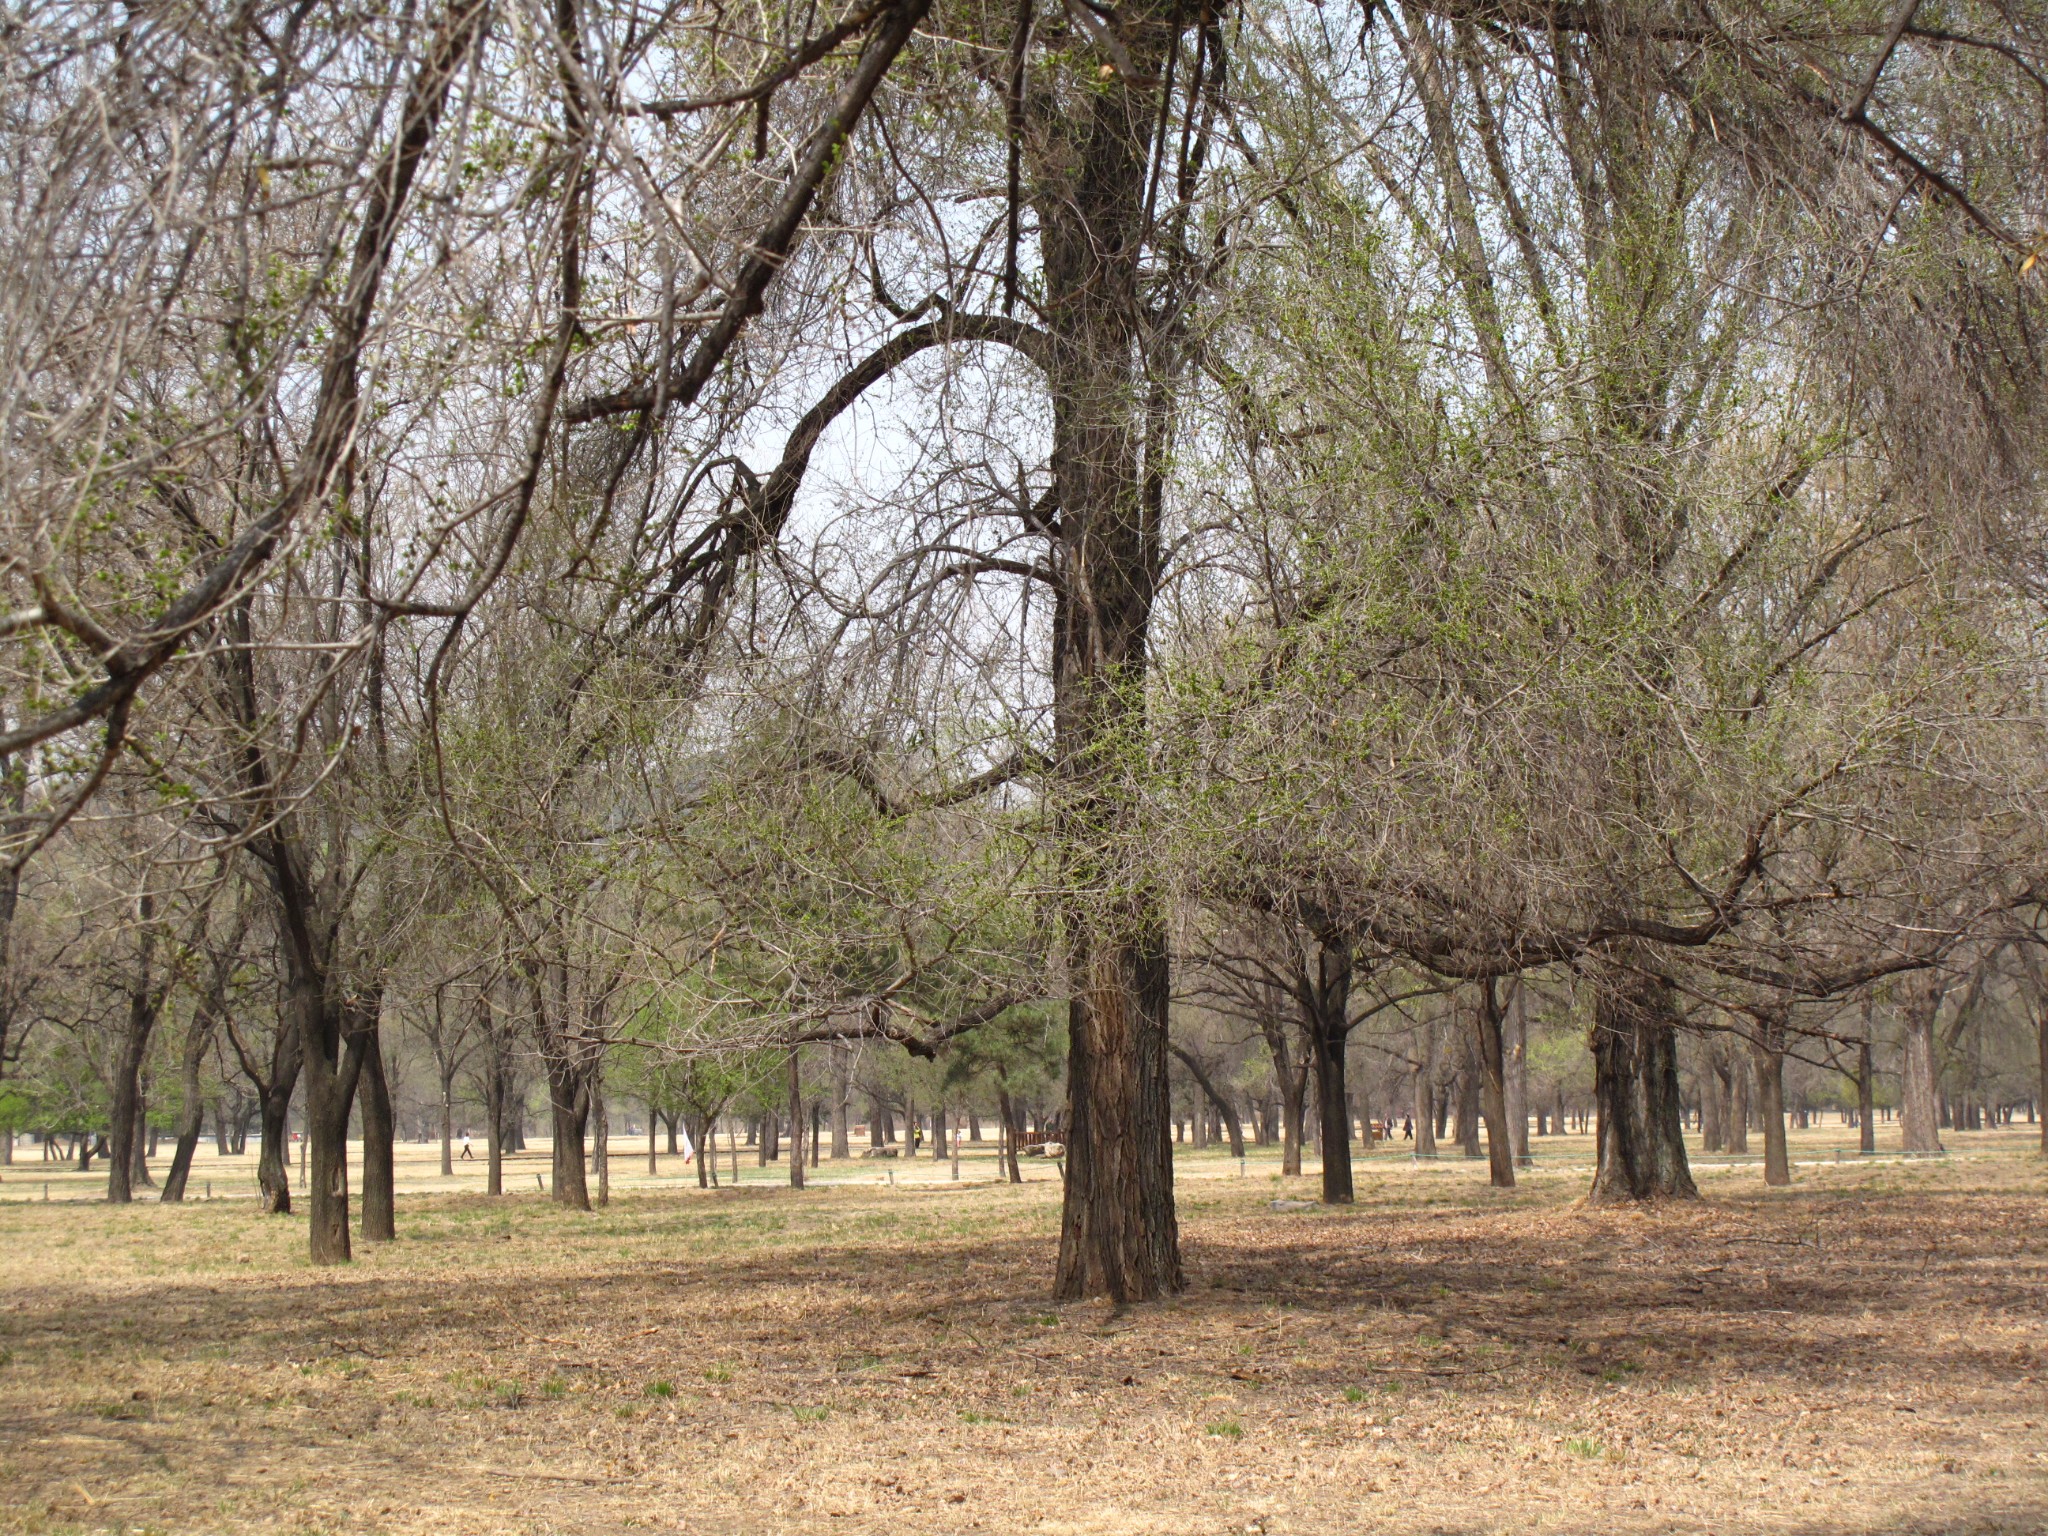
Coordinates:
796	1120
1516	1045
1328	1016
1768	1054
569	1109
125	1121
1640	1136
842	1094
1500	1152
1866	1096
274	1090
380	1128
1465	1096
1919	1092
1090	141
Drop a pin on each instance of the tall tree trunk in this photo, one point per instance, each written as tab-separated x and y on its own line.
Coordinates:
380	1127
569	1107
125	1121
1919	1094
1663	1108
1329	1033
1425	1091
2041	1050
1714	1096
495	1110
796	1120
1500	1152
447	1073
1465	1131
601	1139
1012	1132
274	1105
1517	1091
143	1145
842	1095
1641	1137
1293	1084
1866	1092
1768	1053
331	1060
1090	147
1738	1103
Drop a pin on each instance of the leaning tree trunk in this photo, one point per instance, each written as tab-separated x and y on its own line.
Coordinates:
380	1129
191	1103
1500	1151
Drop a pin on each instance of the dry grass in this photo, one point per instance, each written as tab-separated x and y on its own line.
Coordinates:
1865	1352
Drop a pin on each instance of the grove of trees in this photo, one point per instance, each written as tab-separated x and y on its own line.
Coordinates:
1141	574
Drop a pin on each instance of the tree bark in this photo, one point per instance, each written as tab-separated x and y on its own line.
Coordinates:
1714	1096
2041	1051
380	1198
1500	1152
1866	1092
494	1117
1768	1053
1517	1091
842	1094
1465	1130
1919	1094
273	1167
601	1139
143	1001
1329	1021
1091	148
1425	1091
1008	1110
796	1120
1640	1133
569	1107
192	1102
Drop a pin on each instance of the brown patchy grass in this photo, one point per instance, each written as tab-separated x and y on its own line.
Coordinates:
1865	1352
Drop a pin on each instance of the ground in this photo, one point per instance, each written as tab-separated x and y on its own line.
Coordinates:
1865	1352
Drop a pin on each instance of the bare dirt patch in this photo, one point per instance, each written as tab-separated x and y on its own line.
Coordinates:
1866	1352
